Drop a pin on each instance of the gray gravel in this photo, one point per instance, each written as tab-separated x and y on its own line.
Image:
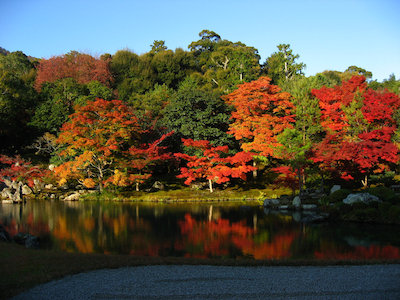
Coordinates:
212	282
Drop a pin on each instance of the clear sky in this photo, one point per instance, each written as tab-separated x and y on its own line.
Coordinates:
327	34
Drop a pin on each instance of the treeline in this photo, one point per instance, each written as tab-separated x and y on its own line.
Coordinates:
225	113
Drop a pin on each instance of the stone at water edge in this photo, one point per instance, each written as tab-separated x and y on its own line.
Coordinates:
309	206
360	197
270	202
26	190
72	197
335	188
296	202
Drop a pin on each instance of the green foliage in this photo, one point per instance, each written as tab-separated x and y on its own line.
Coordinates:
338	195
196	114
383	193
281	66
17	99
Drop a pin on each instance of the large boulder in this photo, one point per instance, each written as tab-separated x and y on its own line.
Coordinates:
73	197
335	188
296	202
7	194
365	198
26	190
27	239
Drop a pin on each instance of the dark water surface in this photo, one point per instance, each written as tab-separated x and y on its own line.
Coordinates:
195	230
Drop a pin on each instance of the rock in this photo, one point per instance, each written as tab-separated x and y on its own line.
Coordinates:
157	185
7	193
26	190
52	196
72	197
27	239
360	197
37	185
79	187
309	206
2	185
283	207
335	188
7	181
4	236
32	242
296	202
49	186
271	202
18	196
7	201
314	218
52	167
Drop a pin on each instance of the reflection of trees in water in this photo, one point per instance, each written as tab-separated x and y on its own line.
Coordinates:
192	230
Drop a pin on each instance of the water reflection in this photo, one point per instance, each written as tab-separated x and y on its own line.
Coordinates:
205	231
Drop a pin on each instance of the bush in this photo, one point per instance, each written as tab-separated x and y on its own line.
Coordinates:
338	195
383	193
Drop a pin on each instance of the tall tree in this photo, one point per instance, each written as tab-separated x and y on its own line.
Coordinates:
261	112
282	66
197	114
84	68
18	100
101	145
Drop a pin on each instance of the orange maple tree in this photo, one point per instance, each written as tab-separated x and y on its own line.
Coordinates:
213	163
261	112
101	145
84	68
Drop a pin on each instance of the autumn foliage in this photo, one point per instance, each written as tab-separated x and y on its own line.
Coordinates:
84	68
18	169
101	145
213	163
261	112
360	129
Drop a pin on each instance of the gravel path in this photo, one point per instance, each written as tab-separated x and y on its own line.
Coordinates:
211	282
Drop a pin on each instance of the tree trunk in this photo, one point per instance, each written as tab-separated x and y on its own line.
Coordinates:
137	186
365	181
210	185
254	171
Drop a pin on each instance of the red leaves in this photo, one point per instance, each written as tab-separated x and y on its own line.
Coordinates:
261	113
213	163
362	141
18	169
82	67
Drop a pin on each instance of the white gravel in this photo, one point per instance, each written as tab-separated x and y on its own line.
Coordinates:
215	282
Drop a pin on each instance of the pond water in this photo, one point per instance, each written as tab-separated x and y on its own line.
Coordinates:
195	230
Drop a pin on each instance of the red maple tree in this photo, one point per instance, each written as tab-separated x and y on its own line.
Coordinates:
84	68
213	163
360	127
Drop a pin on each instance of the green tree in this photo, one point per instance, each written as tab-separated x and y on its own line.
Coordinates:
197	114
158	46
18	100
282	66
224	64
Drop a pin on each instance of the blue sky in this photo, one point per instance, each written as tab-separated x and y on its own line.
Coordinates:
327	34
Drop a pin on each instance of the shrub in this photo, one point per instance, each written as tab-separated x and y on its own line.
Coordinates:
338	195
383	193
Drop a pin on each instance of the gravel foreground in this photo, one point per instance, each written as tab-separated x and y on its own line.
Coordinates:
216	282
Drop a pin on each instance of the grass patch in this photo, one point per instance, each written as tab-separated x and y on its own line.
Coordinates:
24	268
186	194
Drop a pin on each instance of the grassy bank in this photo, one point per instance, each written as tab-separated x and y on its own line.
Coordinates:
23	268
186	194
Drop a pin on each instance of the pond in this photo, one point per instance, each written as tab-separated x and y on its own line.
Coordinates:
195	230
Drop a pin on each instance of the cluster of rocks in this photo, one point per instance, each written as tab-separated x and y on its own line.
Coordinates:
13	191
26	239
